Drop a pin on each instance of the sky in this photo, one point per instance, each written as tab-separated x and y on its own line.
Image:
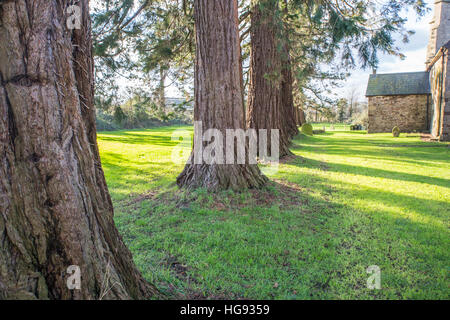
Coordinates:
415	52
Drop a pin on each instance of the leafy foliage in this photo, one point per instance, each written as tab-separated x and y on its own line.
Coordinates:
143	43
340	35
150	44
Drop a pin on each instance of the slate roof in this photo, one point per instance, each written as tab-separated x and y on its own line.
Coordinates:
392	84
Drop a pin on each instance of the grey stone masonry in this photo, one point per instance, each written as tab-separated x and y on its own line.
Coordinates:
440	28
408	112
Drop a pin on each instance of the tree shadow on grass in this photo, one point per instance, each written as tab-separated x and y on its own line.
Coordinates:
365	140
156	136
370	172
437	210
137	139
357	148
409	155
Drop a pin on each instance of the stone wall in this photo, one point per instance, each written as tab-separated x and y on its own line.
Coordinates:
408	112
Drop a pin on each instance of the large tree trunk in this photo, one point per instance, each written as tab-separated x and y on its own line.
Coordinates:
265	102
54	203
218	95
289	111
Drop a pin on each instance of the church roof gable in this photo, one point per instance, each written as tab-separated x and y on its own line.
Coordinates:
391	84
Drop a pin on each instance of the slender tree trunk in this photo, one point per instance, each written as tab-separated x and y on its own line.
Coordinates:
299	100
55	208
218	95
301	117
241	72
265	102
162	89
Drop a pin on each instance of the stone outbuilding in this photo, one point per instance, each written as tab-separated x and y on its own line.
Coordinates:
399	99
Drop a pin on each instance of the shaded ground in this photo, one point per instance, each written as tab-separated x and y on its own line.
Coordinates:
347	201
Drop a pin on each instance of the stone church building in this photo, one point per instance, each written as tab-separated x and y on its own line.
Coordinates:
417	101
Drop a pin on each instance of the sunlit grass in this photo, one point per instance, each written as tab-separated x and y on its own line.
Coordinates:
347	201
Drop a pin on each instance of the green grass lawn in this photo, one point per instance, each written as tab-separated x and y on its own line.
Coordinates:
347	201
331	126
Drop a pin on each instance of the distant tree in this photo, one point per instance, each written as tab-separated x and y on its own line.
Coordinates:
352	100
119	115
341	35
144	41
166	48
116	26
328	114
341	109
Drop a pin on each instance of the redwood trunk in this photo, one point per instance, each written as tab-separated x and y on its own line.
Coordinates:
54	203
288	112
218	94
265	102
301	117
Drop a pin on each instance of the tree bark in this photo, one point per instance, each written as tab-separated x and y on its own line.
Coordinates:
301	118
162	88
265	101
54	203
218	95
287	95
288	112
